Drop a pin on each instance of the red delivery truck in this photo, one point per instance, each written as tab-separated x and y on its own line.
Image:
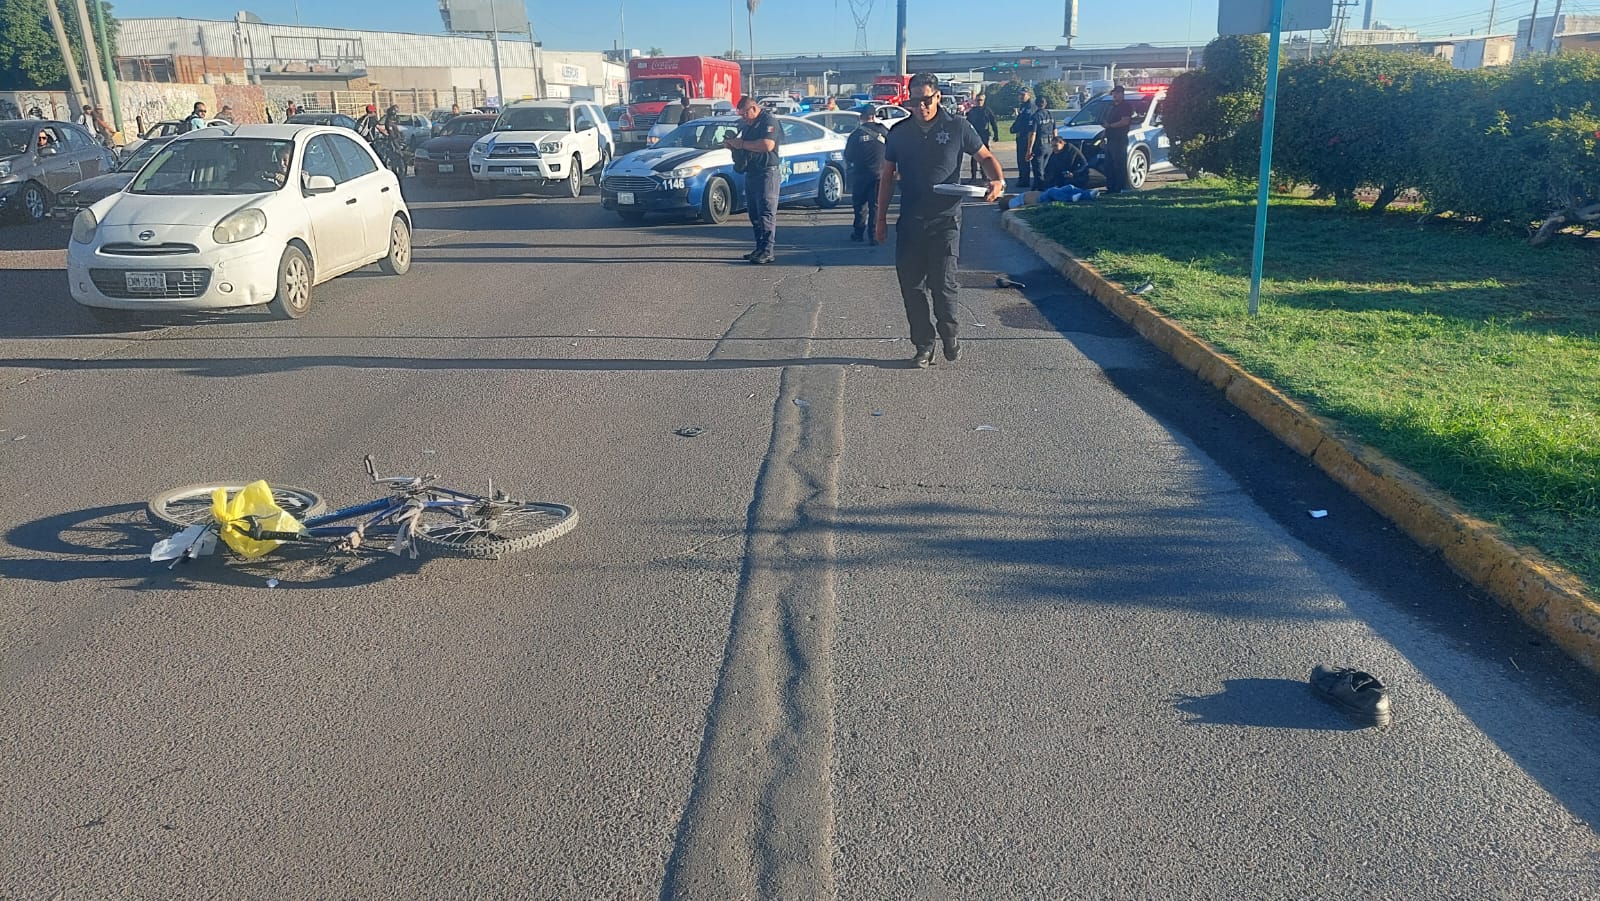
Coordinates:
656	82
890	89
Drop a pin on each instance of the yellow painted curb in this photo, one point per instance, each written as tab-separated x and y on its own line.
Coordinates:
1548	597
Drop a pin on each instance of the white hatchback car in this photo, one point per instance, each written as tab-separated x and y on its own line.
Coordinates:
542	142
240	216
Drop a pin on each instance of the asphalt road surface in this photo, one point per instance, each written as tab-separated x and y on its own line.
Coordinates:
1036	624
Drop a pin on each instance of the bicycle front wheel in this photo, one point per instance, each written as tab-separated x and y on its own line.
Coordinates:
491	529
183	507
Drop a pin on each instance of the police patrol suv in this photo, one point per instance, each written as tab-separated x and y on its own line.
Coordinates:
690	171
542	142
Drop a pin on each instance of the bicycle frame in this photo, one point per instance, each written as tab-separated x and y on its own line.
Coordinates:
385	509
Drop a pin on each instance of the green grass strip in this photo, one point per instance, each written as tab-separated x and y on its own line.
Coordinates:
1468	356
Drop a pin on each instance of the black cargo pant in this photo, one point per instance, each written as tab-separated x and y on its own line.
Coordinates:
864	197
925	255
1116	173
761	197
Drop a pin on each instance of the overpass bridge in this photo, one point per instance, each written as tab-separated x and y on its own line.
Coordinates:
994	64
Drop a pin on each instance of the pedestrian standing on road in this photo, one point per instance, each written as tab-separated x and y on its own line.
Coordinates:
226	113
197	118
926	152
1044	132
35	113
1022	127
756	148
1119	118
984	123
86	118
863	156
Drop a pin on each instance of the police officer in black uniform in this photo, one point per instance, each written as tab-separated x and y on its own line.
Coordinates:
924	152
1118	119
1022	127
984	123
1044	132
864	157
755	151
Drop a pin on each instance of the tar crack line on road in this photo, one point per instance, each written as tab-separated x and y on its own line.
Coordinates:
759	819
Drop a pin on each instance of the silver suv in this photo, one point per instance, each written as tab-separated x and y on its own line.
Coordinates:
39	157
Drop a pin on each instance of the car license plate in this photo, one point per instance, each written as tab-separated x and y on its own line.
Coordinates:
513	170
447	167
147	281
625	198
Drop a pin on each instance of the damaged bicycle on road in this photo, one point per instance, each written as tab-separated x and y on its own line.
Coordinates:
252	519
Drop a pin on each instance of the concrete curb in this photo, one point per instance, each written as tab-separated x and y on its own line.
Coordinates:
1548	597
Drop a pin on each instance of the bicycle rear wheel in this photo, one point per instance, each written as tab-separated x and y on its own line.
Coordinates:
492	529
183	507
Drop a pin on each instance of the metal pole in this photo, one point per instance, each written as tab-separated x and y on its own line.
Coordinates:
731	39
1533	19
750	23
1268	115
900	39
66	49
494	42
1492	4
111	67
1555	22
92	57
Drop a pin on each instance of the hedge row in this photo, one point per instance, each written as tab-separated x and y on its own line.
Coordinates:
1497	144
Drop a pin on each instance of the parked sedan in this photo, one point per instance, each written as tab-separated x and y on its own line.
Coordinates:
166	128
691	172
39	157
337	120
233	217
75	198
444	158
836	122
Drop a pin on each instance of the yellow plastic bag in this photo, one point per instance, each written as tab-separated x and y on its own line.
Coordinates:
255	499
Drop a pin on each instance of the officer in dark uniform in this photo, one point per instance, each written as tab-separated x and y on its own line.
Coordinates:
1022	127
864	157
924	152
1044	132
755	151
1119	118
982	120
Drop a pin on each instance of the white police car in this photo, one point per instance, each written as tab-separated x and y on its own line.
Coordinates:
1148	146
689	171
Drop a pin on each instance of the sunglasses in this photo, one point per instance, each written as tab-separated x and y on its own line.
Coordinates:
924	101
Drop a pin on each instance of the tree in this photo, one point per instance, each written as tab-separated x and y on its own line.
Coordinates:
1212	113
655	51
29	56
1006	97
1055	94
733	54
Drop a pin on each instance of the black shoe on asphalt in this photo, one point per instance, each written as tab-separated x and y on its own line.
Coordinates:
855	236
924	357
1357	693
952	349
751	255
764	259
872	242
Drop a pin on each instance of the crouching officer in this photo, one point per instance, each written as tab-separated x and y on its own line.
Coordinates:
926	152
755	152
864	157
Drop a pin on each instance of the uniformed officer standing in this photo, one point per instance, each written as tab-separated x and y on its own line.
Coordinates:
757	148
925	152
984	123
1044	133
864	157
1023	128
1119	118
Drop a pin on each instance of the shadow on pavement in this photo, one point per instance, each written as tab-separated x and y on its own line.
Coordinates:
1265	703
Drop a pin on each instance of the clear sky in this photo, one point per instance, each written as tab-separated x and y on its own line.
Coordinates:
684	27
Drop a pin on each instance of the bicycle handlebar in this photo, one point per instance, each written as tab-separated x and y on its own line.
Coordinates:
404	482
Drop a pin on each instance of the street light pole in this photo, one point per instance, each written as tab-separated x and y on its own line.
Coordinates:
900	39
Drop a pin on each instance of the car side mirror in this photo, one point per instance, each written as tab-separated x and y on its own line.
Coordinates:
320	184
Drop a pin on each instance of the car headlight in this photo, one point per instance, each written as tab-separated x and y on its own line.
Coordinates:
5	168
480	149
422	154
550	147
240	226
685	172
83	227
